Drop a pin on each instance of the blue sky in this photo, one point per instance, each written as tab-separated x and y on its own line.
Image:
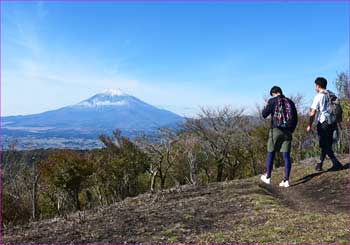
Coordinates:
175	55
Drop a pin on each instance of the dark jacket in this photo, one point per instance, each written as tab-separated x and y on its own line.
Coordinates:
269	109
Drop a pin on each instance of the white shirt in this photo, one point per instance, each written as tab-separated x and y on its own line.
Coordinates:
320	104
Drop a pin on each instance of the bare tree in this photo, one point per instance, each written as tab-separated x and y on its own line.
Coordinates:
342	84
190	153
218	129
162	152
18	185
35	174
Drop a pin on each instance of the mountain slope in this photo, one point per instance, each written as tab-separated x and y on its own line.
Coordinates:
101	113
313	210
111	109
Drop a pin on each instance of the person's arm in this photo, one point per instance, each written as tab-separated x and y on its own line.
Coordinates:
267	109
312	113
295	115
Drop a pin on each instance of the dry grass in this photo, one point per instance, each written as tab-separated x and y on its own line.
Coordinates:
314	210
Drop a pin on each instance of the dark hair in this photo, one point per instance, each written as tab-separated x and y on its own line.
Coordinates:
322	82
275	90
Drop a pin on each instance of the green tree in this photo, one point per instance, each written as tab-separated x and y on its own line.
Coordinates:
68	171
120	167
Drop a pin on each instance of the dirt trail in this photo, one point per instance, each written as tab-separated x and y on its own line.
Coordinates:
323	192
217	213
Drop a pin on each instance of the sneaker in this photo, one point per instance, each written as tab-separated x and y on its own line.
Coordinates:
318	167
265	179
284	183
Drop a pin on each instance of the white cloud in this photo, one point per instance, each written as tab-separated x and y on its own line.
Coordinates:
36	79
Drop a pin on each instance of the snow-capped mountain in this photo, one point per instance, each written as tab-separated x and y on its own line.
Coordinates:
101	113
110	97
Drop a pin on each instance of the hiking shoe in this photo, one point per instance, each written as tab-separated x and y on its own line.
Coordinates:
318	167
284	183
265	179
336	167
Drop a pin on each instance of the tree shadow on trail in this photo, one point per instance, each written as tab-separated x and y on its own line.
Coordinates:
311	176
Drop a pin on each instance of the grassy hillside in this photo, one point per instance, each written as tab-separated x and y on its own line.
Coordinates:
315	209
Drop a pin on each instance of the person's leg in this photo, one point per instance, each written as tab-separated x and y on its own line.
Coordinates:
329	129
271	145
322	156
322	137
319	165
286	149
328	140
287	165
269	163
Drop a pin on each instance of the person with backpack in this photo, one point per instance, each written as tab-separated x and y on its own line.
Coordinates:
327	111
284	119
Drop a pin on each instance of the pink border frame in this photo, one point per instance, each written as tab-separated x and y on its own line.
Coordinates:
348	186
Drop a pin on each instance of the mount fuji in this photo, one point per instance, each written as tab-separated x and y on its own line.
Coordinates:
99	114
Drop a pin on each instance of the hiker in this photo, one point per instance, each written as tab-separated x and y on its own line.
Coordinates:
327	113
284	119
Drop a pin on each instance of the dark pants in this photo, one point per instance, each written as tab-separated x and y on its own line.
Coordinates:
325	136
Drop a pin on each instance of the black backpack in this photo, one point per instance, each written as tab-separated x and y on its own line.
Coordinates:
334	110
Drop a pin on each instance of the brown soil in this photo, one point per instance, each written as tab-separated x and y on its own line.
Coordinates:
186	214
